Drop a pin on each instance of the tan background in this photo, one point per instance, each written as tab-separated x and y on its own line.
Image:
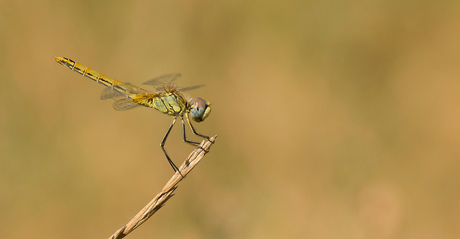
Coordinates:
336	119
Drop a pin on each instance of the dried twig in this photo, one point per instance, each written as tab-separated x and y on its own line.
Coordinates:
160	199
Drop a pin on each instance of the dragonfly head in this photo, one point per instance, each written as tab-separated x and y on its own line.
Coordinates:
200	109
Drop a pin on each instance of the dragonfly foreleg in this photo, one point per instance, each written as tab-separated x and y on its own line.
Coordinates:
175	168
193	129
185	137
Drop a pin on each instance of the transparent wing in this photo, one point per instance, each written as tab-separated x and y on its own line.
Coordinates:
108	93
166	82
189	87
124	104
129	89
122	99
162	80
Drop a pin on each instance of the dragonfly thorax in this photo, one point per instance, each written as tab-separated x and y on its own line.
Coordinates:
170	102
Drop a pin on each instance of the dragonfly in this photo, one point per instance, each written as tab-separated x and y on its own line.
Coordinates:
167	98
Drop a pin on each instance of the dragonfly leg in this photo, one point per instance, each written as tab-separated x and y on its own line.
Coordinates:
193	129
185	137
175	168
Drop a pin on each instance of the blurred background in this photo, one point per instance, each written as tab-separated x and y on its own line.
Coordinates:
336	119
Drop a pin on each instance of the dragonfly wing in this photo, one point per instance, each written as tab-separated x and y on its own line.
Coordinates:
163	80
124	104
108	93
128	89
189	87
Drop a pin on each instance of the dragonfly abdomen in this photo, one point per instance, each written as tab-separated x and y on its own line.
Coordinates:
115	85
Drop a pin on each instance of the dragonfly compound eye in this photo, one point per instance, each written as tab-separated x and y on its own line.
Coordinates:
200	109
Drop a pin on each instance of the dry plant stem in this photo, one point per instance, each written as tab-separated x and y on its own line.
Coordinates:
160	199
